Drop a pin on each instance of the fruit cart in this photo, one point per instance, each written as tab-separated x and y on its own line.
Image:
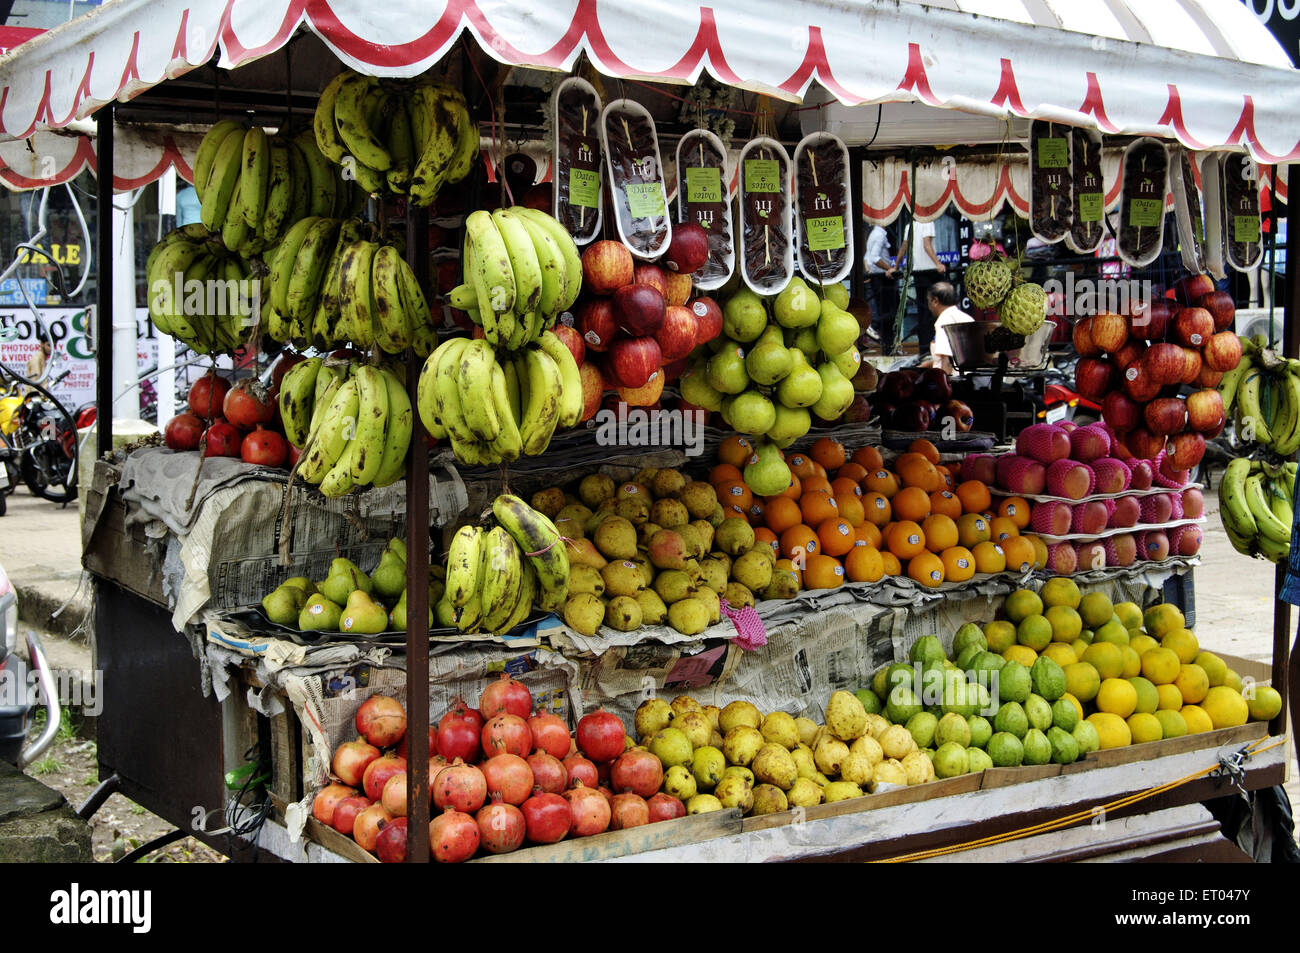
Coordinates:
1119	82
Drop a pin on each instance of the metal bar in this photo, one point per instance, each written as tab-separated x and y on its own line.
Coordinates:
417	580
104	119
857	277
1286	663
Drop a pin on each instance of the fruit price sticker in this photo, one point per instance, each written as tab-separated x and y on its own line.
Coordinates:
703	185
1145	213
1091	206
1053	153
1245	228
645	200
762	175
825	234
584	187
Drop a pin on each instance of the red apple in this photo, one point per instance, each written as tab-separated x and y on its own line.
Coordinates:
633	360
1222	352
597	324
1126	512
708	319
571	339
984	469
1142	475
1208	377
1108	331
860	412
1205	412
1193	503
1192	365
677	288
1139	384
1084	346
1165	416
1124	548
1092	378
689	249
1221	308
1193	326
1089	519
606	267
1186	449
1120	412
1165	363
1151	320
639	309
1129	354
1144	443
654	276
593	388
677	334
1188	289
962	416
648	394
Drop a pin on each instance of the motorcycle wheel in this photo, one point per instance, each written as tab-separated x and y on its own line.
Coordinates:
36	480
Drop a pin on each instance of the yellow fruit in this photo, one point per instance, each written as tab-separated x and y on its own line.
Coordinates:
1132	662
1141	644
1171	699
1264	704
1226	708
1161	666
1117	697
1080	646
1129	614
1215	668
1144	727
1060	653
1183	643
1021	604
1082	681
1061	591
1160	620
1193	684
1112	730
1066	623
1196	718
1171	723
1106	658
1034	631
1075	702
1000	636
1096	609
1232	680
1022	654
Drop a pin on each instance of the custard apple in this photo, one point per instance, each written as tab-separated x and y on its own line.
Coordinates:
1024	309
987	282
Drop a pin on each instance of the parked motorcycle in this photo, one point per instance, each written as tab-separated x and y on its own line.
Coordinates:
38	440
16	704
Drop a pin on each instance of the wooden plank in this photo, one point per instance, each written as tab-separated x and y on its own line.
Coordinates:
1003	777
1151	750
332	840
871	802
677	833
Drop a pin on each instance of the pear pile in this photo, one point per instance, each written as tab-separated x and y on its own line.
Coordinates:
658	549
350	600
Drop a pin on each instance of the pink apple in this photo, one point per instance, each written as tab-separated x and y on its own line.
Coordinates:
1089	519
1143	475
1165	363
1126	512
676	336
709	319
572	339
1145	444
606	267
597	324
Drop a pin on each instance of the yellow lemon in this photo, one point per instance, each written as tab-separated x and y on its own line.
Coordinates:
1022	654
1106	658
1161	666
1000	636
1075	702
1112	730
1132	662
1148	696
1161	619
1080	646
1129	614
1117	697
1021	604
1196	718
1066	623
1034	631
1264	704
1226	708
1172	724
1184	644
1144	727
1082	681
1141	644
1232	680
1061	591
1215	668
1171	699
1060	653
1193	683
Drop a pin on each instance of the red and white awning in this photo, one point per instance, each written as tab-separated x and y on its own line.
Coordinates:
140	155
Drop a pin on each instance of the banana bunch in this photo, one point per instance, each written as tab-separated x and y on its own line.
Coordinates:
353	422
199	292
495	411
1263	392
410	138
253	187
495	575
1255	503
522	271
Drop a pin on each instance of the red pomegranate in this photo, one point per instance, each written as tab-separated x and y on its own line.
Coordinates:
248	404
351	760
581	771
453	837
222	439
458	733
207	395
600	735
550	734
378	772
183	432
591	811
501	826
393	795
549	772
638	771
507	733
508	695
345	815
628	810
265	448
510	776
547	817
327	801
461	786
433	742
665	807
368	824
382	720
390	845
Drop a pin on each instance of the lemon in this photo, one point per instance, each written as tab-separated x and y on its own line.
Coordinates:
1106	658
1193	684
1021	604
1034	631
1130	615
1265	703
1232	680
1196	718
1142	643
1066	623
1215	668
1112	730
1172	724
1162	619
1061	591
1145	727
1132	663
1022	654
1226	708
1117	697
1096	609
1082	681
1112	631
1073	701
1171	699
1161	666
1183	643
1000	635
1079	646
1148	698
1060	653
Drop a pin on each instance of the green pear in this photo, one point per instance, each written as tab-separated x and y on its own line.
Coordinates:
751	413
838	294
848	361
791	424
836	329
806	341
768	360
768	474
362	615
743	316
802	387
284	603
397	546
726	370
301	582
695	387
836	395
319	615
398	616
389	577
343	578
797	306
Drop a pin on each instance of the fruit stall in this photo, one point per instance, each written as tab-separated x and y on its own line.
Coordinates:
570	458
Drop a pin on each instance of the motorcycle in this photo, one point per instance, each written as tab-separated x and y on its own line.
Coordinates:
16	705
38	440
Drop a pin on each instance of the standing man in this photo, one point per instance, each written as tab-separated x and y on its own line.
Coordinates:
884	291
941	303
926	270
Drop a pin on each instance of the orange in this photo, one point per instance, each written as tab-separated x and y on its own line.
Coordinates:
927	569
829	452
958	563
782	513
795	489
974	496
1002	529
940	532
948	480
724	473
757	512
853	471
799	542
892	566
945	502
989	557
880	481
734	493
972	529
843	484
1015	509
925	448
868	534
823	572
877	508
819	470
817	506
869	458
864	564
836	535
1019	551
911	503
764	535
813	483
905	539
800	465
915	470
850	507
735	450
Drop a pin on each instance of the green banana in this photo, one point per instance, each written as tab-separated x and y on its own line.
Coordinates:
501	578
391	323
255	176
462	297
551	262
541	545
397	435
542	412
512	391
297	394
464	559
353	121
326	132
208	152
355	295
372	420
329	373
401	146
569	251
469	618
1274	550
473	381
440	123
524	604
1287	437
1270	526
436	394
221	183
279	193
467	146
571	399
1233	505
300	202
323	181
309	270
1250	411
524	265
285	258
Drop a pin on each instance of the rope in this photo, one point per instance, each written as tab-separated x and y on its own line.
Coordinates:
1048	826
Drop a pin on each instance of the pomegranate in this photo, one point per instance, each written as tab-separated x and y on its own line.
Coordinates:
248	404
638	771
549	773
550	734
368	824
433	742
581	770
665	807
607	794
501	826
390	845
222	439
591	812
458	733
510	776
460	786
508	695
207	395
282	367
393	795
183	432
600	735
327	801
382	720
378	772
266	448
351	760
547	817
453	837
507	733
345	815
628	810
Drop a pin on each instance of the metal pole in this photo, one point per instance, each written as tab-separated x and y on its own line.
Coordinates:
166	384
417	580
104	292
857	277
126	366
1286	665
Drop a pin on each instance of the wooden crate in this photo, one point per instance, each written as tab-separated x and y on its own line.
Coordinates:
113	551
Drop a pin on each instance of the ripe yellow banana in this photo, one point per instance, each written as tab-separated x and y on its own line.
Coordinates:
372	419
354	292
397	434
327	136
569	251
492	274
524	265
542	412
474	383
391	322
508	444
571	400
464	561
353	120
540	542
297	398
335	430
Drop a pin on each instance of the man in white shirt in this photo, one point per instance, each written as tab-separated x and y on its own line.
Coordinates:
926	270
941	302
881	273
